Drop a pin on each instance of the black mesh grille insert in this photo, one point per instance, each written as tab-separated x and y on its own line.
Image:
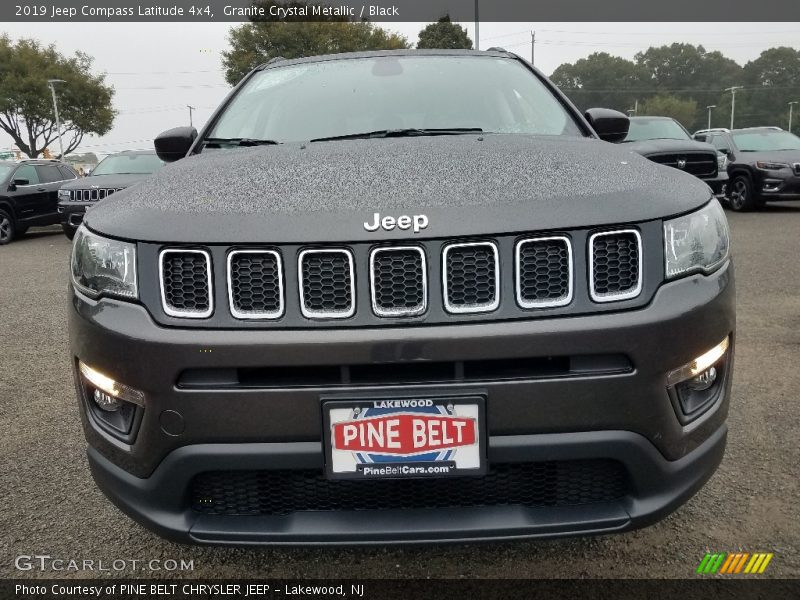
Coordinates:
398	281
186	281
471	273
511	484
615	264
255	280
327	283
544	272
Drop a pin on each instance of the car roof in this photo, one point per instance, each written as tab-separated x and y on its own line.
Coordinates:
280	62
653	118
761	128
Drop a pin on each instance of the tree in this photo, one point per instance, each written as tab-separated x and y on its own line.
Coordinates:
255	43
771	81
26	105
600	80
444	34
683	111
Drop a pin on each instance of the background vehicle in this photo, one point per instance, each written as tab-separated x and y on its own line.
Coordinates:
113	173
665	141
29	195
763	164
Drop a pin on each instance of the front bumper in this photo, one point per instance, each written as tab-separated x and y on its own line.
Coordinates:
718	184
627	417
72	212
780	188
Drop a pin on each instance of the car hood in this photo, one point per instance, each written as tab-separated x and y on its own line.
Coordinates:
649	147
784	156
103	181
464	185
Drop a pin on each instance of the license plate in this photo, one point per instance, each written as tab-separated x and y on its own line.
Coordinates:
406	437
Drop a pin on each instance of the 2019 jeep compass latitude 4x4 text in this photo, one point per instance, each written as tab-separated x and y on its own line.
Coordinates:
402	297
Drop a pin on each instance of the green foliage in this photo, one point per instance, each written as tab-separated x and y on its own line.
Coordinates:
255	43
683	111
601	80
444	34
26	106
660	76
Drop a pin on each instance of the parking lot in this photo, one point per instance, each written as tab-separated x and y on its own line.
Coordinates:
51	506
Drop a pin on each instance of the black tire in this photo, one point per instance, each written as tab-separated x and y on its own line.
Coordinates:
8	229
69	230
742	195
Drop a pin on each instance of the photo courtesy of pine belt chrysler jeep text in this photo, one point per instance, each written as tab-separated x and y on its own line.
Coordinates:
374	302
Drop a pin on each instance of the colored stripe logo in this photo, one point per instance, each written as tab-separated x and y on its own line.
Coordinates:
734	563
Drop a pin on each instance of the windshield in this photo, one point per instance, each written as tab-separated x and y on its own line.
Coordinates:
128	164
5	170
655	129
765	140
353	96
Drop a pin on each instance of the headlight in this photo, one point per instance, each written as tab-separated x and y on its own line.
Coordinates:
722	162
771	166
103	267
696	242
63	194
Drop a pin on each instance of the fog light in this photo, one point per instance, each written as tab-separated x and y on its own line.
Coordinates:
116	390
106	402
700	364
703	381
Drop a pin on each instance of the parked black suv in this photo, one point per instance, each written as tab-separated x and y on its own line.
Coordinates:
114	173
377	302
763	164
29	195
665	141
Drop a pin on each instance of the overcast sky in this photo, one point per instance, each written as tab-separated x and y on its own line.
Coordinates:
158	69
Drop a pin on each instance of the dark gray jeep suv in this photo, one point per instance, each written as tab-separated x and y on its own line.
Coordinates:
402	297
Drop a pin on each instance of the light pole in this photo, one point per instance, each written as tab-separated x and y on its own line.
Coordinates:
191	108
709	114
51	83
732	90
477	28
791	105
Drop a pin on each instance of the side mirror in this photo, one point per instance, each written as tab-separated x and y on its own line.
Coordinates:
725	151
18	182
701	138
610	125
173	144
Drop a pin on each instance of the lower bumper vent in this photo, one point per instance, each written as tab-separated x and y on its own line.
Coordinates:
557	483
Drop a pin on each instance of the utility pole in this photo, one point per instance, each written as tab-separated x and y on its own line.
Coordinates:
791	105
732	90
51	83
709	114
477	28
533	47
191	108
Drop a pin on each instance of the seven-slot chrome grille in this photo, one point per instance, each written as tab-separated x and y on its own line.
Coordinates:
91	195
430	280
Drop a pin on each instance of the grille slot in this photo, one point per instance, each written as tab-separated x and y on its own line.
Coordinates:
399	281
615	259
554	483
186	289
255	284
544	272
327	285
471	277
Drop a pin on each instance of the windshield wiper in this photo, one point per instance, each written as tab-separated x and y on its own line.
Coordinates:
239	142
408	132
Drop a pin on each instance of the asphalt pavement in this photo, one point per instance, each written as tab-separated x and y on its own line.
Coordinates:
49	504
